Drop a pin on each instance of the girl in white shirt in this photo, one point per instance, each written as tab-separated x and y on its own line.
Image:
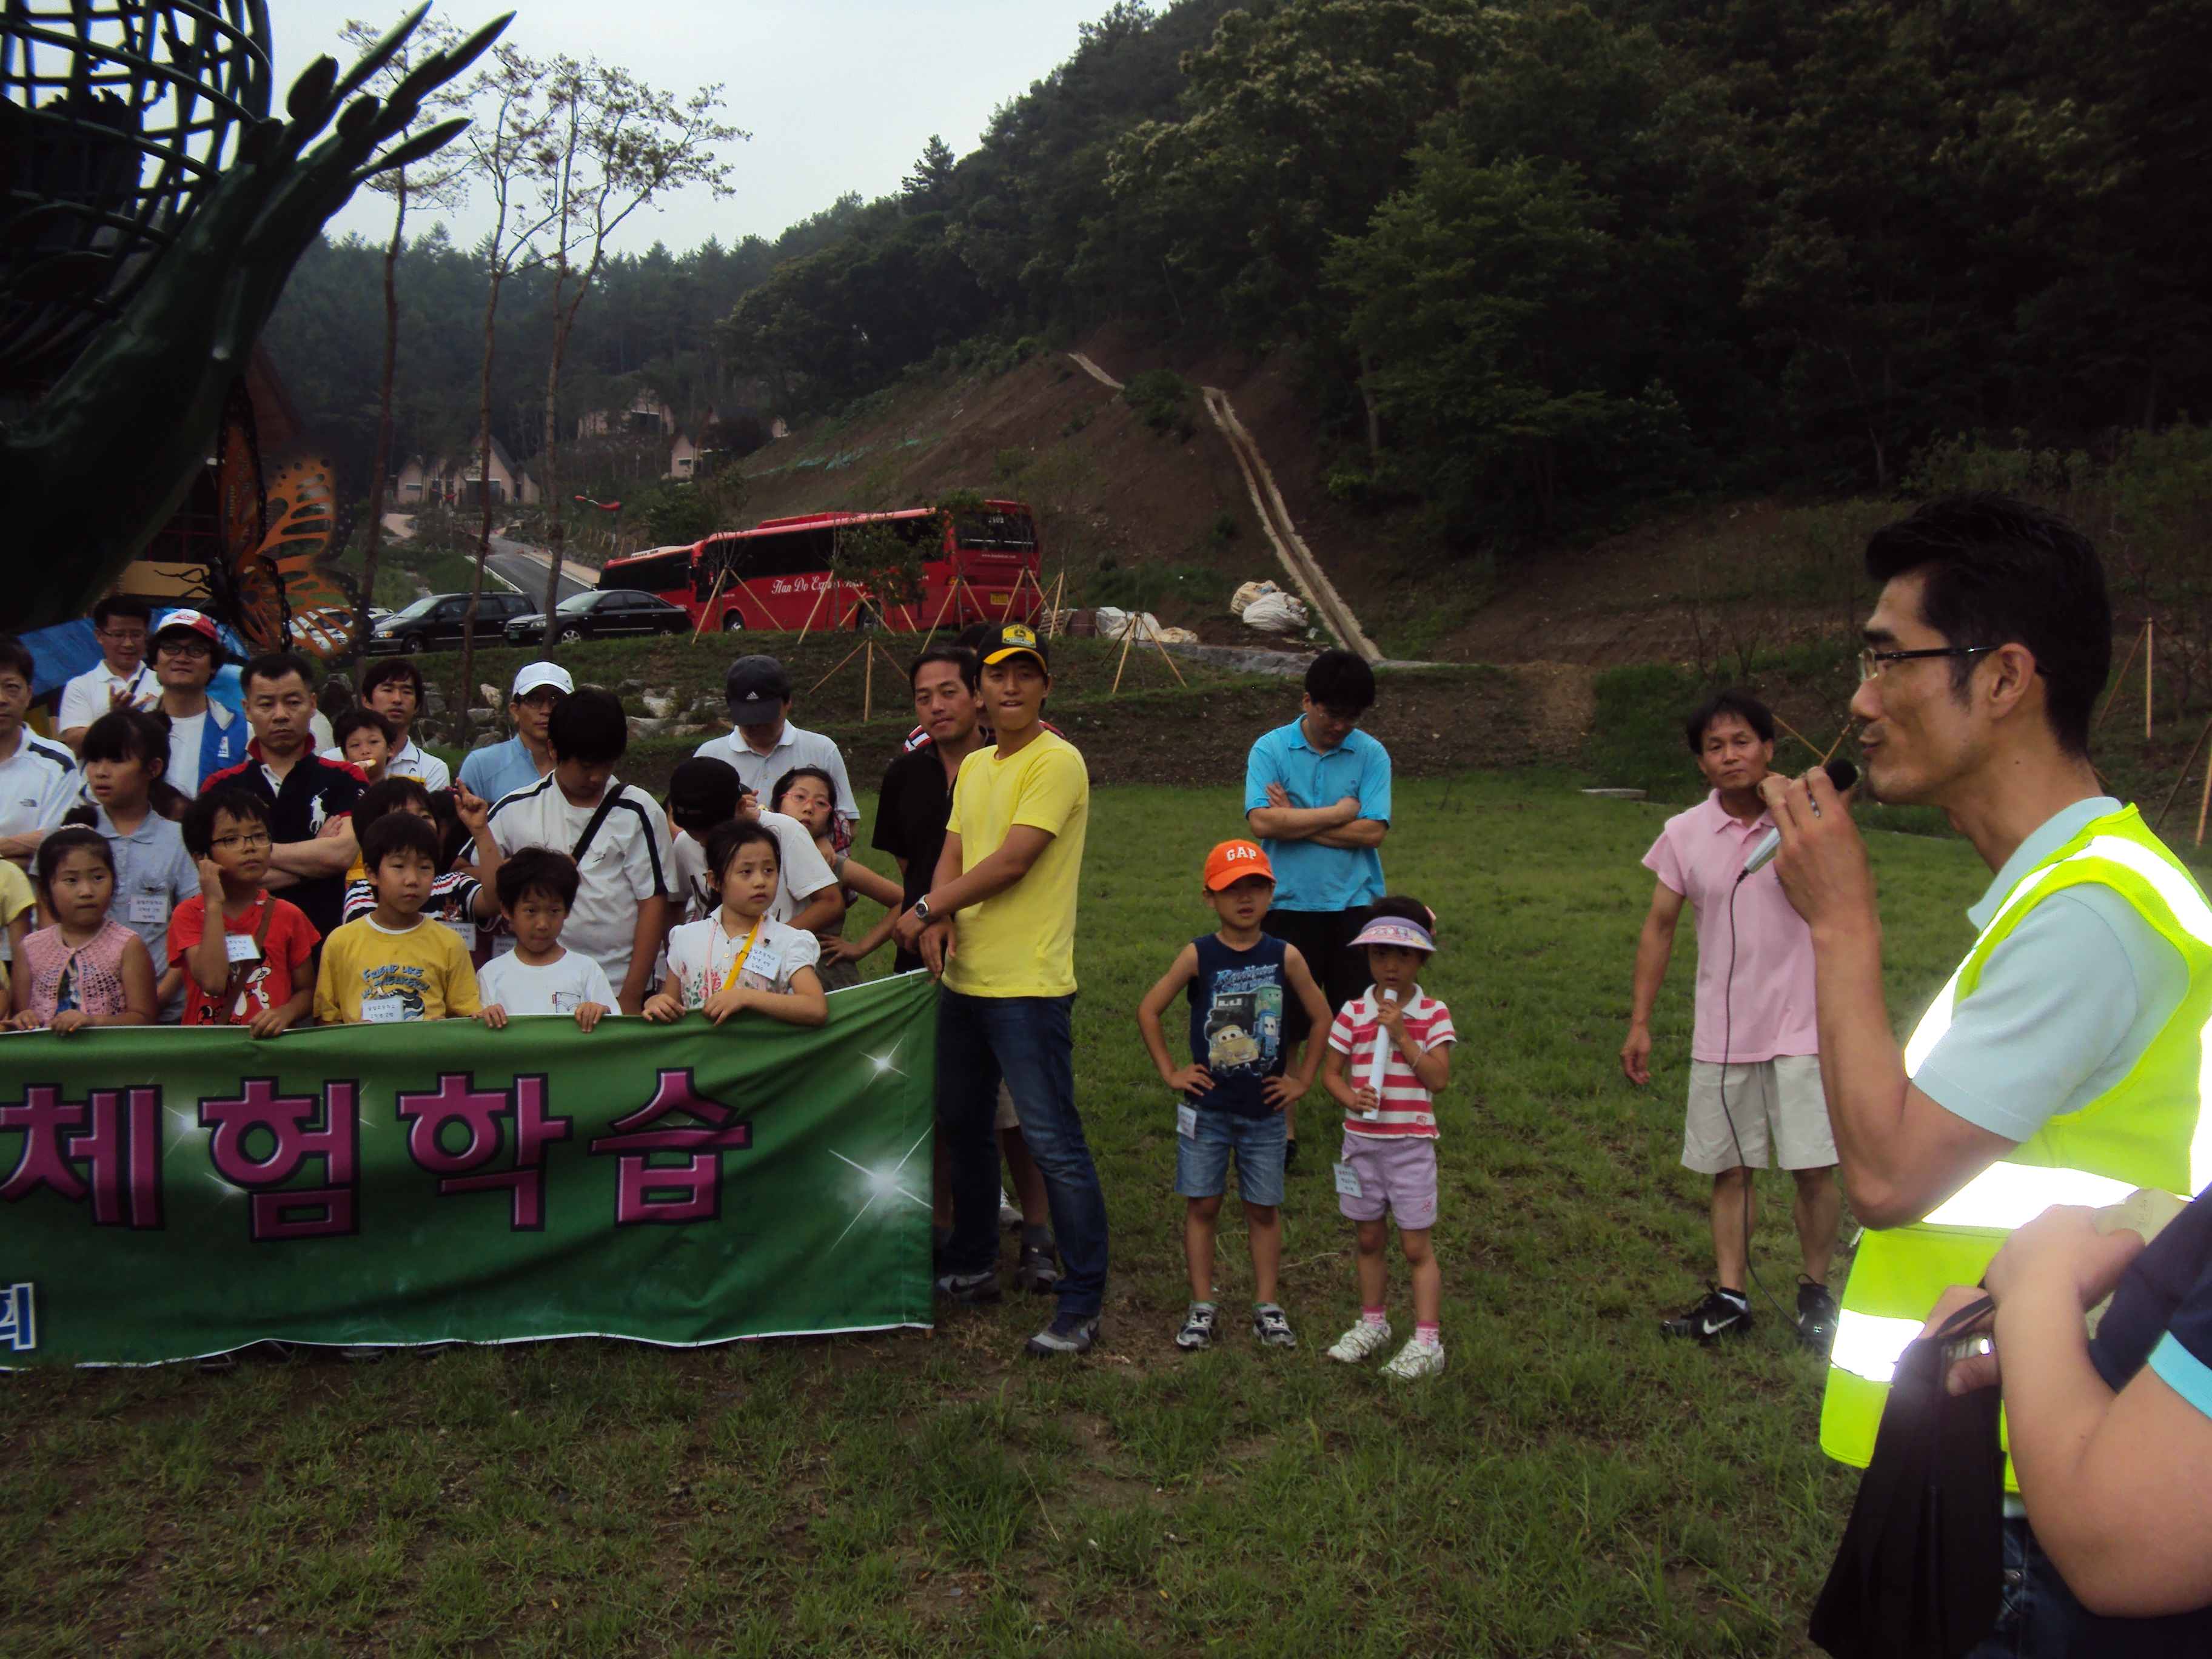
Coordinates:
737	958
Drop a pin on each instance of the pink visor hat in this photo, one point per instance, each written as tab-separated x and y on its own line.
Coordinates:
1396	930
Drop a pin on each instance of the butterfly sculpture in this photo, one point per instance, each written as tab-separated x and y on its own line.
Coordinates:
321	605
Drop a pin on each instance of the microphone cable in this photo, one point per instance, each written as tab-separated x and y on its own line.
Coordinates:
1750	1176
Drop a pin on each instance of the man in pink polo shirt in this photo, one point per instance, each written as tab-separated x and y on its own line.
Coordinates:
1754	1053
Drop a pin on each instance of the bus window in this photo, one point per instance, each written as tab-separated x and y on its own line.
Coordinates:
666	573
996	533
786	553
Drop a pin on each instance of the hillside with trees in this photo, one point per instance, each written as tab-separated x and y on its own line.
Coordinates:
1537	267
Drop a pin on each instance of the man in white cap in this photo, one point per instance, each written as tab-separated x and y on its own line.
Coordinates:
500	768
205	737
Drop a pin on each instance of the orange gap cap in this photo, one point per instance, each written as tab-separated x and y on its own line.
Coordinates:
1232	861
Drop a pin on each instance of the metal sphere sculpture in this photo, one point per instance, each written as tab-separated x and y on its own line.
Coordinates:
114	116
176	288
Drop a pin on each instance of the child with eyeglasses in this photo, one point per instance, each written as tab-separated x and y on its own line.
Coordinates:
255	970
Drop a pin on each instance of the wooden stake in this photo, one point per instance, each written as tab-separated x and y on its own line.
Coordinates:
949	595
2182	777
2203	800
709	611
2150	642
868	685
1167	657
820	594
759	601
1792	731
1052	610
842	661
2121	678
1128	638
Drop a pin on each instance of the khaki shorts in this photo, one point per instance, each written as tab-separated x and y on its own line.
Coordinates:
1006	1119
1774	1103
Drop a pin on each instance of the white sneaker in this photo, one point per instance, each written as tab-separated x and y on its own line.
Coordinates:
1362	1339
1009	1217
1415	1360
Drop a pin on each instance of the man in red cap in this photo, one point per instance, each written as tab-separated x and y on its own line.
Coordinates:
205	737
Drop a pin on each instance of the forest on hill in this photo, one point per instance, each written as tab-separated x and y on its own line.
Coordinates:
1538	262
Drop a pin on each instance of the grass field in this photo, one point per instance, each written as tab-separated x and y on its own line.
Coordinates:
1571	1485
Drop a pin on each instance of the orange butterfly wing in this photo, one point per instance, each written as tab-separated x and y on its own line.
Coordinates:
246	584
303	519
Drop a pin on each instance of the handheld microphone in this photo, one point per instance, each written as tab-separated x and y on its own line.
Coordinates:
1842	773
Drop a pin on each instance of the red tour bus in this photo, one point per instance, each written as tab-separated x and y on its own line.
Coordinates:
980	564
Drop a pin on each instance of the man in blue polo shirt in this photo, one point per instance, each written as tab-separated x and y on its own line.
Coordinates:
1317	796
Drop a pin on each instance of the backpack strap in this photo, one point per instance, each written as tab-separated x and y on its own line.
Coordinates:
606	805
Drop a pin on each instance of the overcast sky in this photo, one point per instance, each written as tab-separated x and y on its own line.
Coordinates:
838	94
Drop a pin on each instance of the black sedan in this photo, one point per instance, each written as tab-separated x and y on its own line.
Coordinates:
611	614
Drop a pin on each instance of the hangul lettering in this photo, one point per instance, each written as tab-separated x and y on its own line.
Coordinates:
278	1211
117	1140
19	1324
458	1100
672	1194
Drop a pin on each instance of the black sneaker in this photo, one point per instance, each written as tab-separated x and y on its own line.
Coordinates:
1722	1313
1067	1334
1271	1327
1036	1273
1197	1330
969	1290
1816	1317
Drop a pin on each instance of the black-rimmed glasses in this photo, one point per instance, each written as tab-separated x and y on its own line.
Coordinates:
1872	662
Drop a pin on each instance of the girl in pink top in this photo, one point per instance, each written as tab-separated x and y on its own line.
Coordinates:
85	970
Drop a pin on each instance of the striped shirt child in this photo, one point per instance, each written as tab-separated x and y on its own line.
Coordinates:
1407	1108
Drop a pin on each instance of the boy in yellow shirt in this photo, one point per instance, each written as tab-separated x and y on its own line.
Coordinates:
392	965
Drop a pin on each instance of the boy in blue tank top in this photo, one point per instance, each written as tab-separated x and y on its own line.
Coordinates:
1236	1086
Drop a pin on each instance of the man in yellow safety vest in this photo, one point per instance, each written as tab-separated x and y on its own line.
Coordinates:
2063	1063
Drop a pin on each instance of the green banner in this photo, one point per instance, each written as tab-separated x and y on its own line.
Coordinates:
170	1193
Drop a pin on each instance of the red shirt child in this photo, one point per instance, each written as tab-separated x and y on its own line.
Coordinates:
259	973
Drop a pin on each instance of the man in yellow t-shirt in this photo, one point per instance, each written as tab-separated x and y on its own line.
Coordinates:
997	927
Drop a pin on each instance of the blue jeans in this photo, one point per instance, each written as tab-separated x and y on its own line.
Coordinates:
2039	1618
1028	1042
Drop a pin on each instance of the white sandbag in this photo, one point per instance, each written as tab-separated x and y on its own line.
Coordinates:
1276	613
1176	636
1249	592
1113	621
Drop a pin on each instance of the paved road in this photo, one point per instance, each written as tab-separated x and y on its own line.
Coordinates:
528	573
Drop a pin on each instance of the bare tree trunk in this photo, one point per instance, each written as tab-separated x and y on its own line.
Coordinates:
373	542
551	484
467	698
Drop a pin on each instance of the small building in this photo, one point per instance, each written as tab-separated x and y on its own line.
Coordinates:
458	480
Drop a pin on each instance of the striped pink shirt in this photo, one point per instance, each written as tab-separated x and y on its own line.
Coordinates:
1406	1106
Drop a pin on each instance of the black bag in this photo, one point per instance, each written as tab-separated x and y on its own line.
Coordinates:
1919	1572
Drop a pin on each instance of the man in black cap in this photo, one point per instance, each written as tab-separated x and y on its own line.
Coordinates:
766	744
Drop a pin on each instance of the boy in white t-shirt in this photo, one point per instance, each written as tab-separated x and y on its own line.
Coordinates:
737	959
537	890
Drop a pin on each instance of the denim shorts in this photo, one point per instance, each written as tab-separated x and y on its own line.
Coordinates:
1202	1157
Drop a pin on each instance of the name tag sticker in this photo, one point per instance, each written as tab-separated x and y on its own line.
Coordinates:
465	928
382	1011
1187	1121
1348	1181
565	1002
149	907
241	947
761	960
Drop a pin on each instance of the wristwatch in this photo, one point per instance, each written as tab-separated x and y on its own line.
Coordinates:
921	909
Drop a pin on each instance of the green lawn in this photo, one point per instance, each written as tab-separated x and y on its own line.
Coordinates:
1571	1485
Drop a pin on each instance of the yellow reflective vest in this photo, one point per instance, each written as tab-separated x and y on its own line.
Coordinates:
2150	1129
